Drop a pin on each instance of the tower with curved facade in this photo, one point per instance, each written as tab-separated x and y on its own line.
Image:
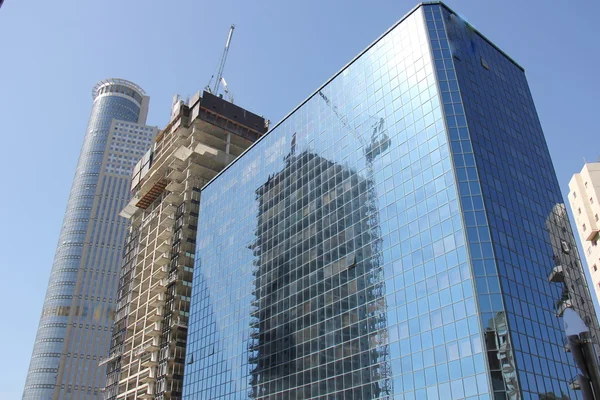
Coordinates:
77	316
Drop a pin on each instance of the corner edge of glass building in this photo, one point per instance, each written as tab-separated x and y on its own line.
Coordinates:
397	235
76	319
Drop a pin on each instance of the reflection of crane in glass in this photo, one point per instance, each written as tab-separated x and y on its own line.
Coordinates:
379	142
379	139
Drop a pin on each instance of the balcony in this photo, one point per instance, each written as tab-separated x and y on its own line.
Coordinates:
196	131
157	300
176	175
202	170
173	197
172	278
175	186
150	360
165	233
163	259
157	287
154	330
215	155
147	393
153	345
149	218
144	284
178	313
110	358
156	315
179	322
557	275
164	246
168	208
160	272
148	347
184	132
182	153
189	230
150	376
166	221
176	163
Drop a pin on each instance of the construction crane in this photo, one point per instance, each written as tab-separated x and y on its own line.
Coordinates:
219	76
379	142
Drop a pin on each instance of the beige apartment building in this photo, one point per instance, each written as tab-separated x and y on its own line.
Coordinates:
147	353
584	191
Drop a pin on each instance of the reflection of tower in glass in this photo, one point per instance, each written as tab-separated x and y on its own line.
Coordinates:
318	308
566	270
500	355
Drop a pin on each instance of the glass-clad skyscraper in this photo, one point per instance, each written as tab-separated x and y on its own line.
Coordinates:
77	316
398	235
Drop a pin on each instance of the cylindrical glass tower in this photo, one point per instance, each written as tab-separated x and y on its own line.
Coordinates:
77	316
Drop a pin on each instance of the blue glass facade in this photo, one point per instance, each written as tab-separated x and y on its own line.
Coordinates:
74	330
505	172
387	239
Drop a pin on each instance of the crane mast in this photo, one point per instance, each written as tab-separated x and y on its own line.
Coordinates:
223	59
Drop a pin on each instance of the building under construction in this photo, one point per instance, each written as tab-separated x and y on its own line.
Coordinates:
147	352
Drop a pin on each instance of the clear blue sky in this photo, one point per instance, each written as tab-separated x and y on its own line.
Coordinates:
53	52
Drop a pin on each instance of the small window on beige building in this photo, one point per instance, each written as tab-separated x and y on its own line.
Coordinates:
584	227
595	268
